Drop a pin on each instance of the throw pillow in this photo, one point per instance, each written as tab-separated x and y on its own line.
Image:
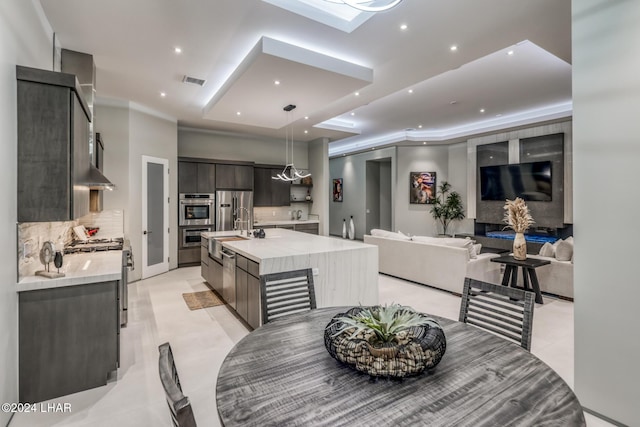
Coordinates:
475	251
564	251
547	250
388	234
461	243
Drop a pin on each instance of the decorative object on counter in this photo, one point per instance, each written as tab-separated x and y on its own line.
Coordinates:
386	341
308	196
518	218
290	173
259	233
447	206
422	187
204	299
344	228
352	229
48	254
337	190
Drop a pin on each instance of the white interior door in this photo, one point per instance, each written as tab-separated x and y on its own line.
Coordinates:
155	216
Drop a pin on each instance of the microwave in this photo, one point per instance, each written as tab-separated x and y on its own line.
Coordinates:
197	209
191	236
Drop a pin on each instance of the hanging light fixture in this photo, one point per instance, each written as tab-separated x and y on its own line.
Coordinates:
289	173
361	5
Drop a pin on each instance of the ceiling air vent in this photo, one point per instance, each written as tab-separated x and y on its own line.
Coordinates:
193	80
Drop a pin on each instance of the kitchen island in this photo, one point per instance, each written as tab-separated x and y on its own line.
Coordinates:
345	272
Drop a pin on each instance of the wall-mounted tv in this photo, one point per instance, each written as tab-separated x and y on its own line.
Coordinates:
529	181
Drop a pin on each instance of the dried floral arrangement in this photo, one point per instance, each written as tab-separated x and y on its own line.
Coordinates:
517	216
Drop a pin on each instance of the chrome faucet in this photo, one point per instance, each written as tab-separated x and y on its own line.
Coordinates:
247	221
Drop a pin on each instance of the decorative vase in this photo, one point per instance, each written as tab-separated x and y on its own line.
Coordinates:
520	247
344	228
352	229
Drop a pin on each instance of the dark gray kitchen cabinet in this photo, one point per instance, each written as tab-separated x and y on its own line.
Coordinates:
268	191
53	146
248	291
68	339
234	177
194	177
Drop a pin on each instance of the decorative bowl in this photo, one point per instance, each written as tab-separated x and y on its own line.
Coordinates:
413	350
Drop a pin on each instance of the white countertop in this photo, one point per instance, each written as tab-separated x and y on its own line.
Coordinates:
79	269
286	222
280	243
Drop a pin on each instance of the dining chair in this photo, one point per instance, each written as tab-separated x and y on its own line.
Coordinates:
179	405
286	293
500	309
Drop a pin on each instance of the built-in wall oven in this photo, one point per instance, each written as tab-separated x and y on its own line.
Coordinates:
191	236
197	209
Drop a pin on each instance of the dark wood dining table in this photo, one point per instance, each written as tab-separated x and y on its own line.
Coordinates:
282	375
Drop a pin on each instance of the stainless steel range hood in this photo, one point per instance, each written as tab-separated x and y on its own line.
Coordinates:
97	181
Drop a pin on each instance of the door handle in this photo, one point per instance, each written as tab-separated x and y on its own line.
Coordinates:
147	232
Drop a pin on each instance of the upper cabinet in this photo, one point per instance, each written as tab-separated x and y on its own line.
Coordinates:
269	191
234	177
194	177
53	146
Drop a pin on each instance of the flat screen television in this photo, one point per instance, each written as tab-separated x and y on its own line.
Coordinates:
529	181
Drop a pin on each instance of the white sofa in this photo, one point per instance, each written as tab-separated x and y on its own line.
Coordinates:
432	263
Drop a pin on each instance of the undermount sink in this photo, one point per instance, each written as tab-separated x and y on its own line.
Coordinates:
231	238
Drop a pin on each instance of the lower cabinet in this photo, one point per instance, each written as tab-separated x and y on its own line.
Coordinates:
68	339
307	228
215	275
248	291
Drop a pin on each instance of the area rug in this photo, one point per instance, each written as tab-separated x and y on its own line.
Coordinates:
204	299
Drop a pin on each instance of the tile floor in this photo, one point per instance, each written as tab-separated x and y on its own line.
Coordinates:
201	339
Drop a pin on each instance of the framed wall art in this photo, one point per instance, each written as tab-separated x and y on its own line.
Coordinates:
422	187
337	190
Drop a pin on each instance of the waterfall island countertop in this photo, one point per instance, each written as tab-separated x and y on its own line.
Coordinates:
345	271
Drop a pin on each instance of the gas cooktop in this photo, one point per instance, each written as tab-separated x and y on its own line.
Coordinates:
94	245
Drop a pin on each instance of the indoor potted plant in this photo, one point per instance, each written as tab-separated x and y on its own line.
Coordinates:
392	341
447	206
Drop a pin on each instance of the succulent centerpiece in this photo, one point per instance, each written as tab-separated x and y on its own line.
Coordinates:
389	341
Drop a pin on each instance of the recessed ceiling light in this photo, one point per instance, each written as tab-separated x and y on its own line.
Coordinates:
163	94
491	157
482	110
510	53
306	117
419	126
353	114
373	148
453	48
357	94
276	82
410	91
238	113
177	50
424	142
306	131
404	27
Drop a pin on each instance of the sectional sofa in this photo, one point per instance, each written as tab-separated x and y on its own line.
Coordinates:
442	263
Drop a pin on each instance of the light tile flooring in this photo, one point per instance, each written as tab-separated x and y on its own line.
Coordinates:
201	339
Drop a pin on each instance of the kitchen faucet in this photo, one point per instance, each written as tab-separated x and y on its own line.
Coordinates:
240	219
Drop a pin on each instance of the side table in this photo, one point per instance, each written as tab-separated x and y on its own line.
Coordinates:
528	266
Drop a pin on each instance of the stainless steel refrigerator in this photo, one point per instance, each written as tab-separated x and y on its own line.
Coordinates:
231	205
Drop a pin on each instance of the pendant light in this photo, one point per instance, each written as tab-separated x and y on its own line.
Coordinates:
359	4
289	173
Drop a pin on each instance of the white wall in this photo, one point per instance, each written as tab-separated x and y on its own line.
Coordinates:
225	146
321	192
606	153
411	218
25	39
352	170
157	137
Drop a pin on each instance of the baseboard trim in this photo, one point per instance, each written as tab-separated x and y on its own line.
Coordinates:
603	417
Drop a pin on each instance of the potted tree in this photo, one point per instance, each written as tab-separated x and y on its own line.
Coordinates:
447	206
